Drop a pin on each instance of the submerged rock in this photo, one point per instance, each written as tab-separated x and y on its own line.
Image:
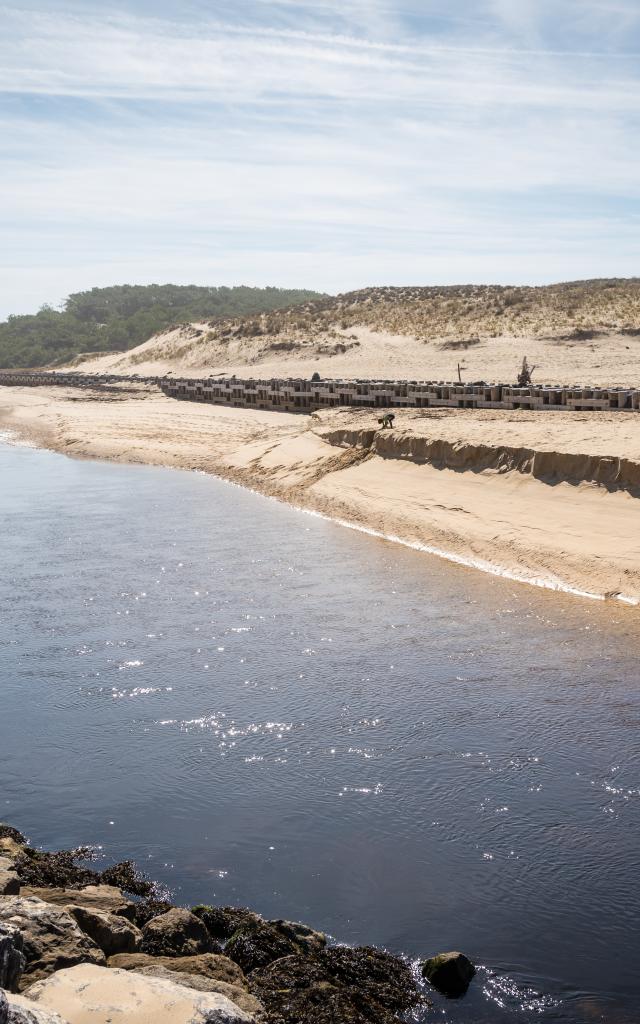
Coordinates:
236	993
52	938
12	958
96	995
449	973
9	879
176	933
207	965
111	932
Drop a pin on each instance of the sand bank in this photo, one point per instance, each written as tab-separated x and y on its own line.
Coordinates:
552	499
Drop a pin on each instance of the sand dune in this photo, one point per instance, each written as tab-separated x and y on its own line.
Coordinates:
605	361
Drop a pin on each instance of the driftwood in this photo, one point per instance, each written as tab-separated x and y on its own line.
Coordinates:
525	377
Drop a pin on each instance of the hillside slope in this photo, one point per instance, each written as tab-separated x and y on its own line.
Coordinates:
121	317
581	332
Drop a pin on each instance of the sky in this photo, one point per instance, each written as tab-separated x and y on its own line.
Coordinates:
332	144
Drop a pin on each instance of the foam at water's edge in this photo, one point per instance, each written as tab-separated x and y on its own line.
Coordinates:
13	438
543	582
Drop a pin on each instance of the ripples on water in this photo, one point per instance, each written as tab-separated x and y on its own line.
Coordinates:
266	709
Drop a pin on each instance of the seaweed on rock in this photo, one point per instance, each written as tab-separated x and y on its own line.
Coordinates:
336	986
57	869
9	832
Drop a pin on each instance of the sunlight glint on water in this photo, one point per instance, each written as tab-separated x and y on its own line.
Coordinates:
266	709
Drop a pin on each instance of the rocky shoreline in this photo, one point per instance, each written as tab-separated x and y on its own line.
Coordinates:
79	946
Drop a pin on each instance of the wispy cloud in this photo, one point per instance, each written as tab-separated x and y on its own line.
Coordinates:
327	144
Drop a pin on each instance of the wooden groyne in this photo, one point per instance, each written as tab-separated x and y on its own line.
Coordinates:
303	395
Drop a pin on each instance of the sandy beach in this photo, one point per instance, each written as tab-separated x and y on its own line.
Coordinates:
549	499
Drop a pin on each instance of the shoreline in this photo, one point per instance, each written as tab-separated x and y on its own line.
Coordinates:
509	496
79	944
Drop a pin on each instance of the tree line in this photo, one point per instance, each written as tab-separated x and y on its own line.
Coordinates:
123	316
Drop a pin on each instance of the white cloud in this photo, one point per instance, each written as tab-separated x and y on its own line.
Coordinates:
331	142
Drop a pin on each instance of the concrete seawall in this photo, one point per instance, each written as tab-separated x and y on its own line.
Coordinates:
311	396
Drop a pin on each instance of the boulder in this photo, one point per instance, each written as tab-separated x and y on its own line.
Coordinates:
141	913
375	975
308	990
235	993
349	986
222	922
9	879
449	973
306	938
96	897
44	868
52	938
18	1010
176	933
207	965
87	994
114	934
12	959
259	945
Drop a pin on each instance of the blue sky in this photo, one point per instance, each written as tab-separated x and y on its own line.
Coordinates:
331	145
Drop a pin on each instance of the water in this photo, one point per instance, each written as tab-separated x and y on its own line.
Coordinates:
266	709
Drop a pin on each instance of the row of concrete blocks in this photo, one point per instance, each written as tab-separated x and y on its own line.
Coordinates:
307	395
23	378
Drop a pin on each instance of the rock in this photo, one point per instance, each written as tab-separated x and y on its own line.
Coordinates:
9	832
449	973
19	1010
377	976
336	986
306	938
10	848
222	922
58	868
307	990
12	959
259	945
9	880
126	876
52	938
96	897
140	913
176	933
87	994
235	993
112	933
207	965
